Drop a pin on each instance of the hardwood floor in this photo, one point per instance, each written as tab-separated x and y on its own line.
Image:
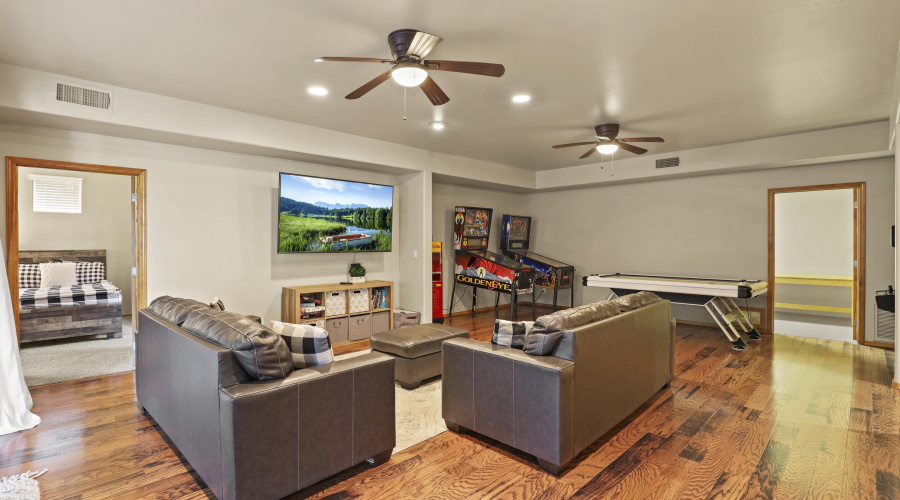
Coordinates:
791	417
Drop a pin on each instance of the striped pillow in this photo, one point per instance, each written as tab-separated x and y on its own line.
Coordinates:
89	272
29	276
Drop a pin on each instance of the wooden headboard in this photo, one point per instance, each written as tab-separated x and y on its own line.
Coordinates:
38	256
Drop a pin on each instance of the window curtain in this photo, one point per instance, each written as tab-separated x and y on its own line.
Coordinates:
15	400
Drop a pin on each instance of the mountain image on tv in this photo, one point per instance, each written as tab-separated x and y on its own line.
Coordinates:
329	215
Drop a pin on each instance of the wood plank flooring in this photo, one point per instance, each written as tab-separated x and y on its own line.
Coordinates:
791	417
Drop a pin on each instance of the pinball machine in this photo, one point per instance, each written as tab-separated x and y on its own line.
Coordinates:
550	274
477	267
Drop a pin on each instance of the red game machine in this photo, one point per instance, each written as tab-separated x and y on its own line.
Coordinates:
479	268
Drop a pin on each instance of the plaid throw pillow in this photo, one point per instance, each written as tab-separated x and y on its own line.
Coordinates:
310	346
217	304
89	272
29	276
511	333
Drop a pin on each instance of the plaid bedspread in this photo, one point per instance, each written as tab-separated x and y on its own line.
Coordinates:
103	292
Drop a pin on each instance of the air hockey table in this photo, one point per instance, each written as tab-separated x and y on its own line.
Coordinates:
716	295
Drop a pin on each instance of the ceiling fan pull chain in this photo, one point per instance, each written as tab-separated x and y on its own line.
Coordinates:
404	102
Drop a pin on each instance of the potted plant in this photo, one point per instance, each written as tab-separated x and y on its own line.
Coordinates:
357	273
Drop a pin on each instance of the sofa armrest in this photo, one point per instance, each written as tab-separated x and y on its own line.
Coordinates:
280	436
522	400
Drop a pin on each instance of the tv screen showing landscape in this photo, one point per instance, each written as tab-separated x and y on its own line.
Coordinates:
327	215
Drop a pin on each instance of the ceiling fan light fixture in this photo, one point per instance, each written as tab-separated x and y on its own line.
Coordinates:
607	149
409	74
438	125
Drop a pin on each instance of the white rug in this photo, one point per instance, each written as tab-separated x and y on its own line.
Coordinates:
418	411
76	358
21	486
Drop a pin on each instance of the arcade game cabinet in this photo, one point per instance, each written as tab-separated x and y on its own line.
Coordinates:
515	236
479	268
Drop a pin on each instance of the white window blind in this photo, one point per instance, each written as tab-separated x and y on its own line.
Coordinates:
57	194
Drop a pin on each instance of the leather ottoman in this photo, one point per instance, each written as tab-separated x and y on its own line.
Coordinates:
416	350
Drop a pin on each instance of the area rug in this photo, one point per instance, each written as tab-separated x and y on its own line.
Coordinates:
418	411
76	358
21	486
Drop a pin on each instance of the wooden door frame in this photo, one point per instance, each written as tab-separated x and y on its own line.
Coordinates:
139	217
859	254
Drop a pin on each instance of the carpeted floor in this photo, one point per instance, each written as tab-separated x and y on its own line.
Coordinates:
82	357
418	411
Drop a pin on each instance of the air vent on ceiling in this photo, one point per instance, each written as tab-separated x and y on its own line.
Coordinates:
83	96
668	162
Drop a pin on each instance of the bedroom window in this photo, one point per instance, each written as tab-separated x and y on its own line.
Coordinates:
57	194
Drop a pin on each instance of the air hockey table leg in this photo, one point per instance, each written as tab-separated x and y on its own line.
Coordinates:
738	343
743	320
452	296
728	323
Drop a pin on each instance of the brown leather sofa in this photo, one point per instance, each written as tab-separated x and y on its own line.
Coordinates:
555	406
260	437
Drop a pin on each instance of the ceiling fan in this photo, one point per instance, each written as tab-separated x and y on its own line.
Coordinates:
607	143
410	69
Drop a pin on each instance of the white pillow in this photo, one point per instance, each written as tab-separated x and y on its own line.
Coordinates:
58	274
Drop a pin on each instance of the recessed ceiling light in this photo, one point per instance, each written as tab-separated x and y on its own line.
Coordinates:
317	90
438	125
318	59
521	98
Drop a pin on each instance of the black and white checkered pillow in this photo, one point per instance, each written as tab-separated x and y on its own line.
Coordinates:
511	333
29	276
310	346
89	272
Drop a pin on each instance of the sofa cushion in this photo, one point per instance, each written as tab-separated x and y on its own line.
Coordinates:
261	352
511	333
415	341
55	274
633	301
573	317
173	309
309	345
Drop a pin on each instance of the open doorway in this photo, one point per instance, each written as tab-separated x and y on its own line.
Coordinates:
817	261
75	320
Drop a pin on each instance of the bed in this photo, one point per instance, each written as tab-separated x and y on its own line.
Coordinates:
92	307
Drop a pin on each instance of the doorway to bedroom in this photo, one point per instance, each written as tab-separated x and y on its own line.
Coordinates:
76	262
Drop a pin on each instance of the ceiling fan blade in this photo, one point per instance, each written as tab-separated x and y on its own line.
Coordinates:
569	145
634	149
589	153
433	92
474	68
422	44
644	139
371	84
355	59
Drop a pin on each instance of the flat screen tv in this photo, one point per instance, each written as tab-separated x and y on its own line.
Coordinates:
316	214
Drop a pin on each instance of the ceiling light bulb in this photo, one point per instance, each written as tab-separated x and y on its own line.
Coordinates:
317	90
607	149
409	74
438	125
521	98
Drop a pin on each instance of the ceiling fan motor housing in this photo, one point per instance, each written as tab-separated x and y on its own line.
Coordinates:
400	41
607	130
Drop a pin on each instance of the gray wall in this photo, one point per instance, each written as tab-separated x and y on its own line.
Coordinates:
713	226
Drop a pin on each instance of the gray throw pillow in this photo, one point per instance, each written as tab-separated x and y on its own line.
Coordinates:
637	300
310	345
542	344
175	310
511	333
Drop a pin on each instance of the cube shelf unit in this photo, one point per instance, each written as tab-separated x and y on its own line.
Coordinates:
348	312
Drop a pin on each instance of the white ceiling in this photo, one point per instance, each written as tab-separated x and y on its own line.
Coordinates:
697	72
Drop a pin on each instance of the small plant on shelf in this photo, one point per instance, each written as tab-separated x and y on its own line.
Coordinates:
357	273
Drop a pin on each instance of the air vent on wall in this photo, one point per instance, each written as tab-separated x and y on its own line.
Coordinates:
83	96
668	162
